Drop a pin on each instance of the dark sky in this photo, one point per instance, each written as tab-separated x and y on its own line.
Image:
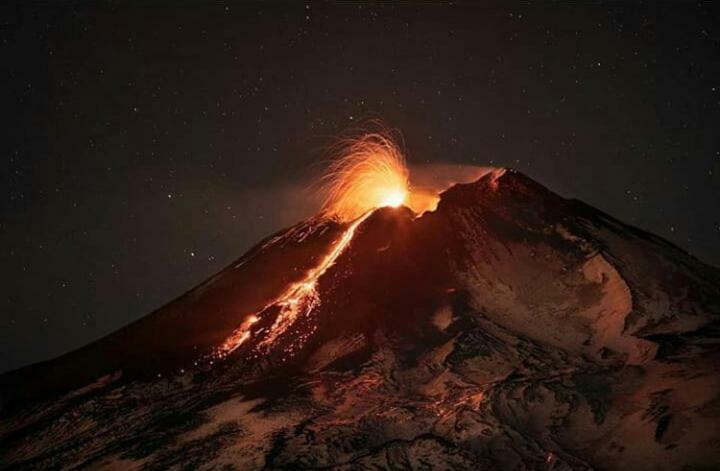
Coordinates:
146	148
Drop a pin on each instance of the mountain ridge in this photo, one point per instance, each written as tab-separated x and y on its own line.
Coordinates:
510	327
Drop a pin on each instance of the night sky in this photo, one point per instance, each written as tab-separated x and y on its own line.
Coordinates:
146	148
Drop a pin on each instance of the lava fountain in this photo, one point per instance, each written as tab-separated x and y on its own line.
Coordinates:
370	173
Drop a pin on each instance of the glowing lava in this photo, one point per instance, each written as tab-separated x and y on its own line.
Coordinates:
394	198
371	173
302	297
298	300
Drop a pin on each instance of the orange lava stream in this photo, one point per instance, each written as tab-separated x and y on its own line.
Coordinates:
370	173
298	300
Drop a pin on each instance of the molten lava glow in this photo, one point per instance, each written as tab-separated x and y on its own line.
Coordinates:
297	301
302	297
238	337
370	173
394	198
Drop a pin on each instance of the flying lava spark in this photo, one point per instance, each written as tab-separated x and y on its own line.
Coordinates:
370	173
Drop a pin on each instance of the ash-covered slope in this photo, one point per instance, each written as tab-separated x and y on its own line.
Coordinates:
510	328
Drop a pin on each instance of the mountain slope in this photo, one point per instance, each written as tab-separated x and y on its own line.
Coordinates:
509	328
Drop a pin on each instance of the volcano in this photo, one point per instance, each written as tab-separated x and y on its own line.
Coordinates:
510	328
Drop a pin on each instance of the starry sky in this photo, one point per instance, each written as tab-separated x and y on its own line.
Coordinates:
145	148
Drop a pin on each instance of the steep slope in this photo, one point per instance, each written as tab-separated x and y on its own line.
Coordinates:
182	333
510	328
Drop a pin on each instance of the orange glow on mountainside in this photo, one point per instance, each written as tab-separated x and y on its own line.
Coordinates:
302	297
298	300
370	173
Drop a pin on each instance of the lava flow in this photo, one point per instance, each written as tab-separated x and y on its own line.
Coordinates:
370	174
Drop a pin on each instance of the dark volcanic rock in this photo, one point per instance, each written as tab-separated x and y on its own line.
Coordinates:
509	329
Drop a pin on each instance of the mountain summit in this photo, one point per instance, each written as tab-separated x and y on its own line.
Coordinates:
509	328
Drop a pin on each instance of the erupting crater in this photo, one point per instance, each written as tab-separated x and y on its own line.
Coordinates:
506	328
369	173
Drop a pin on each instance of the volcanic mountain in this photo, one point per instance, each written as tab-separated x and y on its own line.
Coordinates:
509	328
